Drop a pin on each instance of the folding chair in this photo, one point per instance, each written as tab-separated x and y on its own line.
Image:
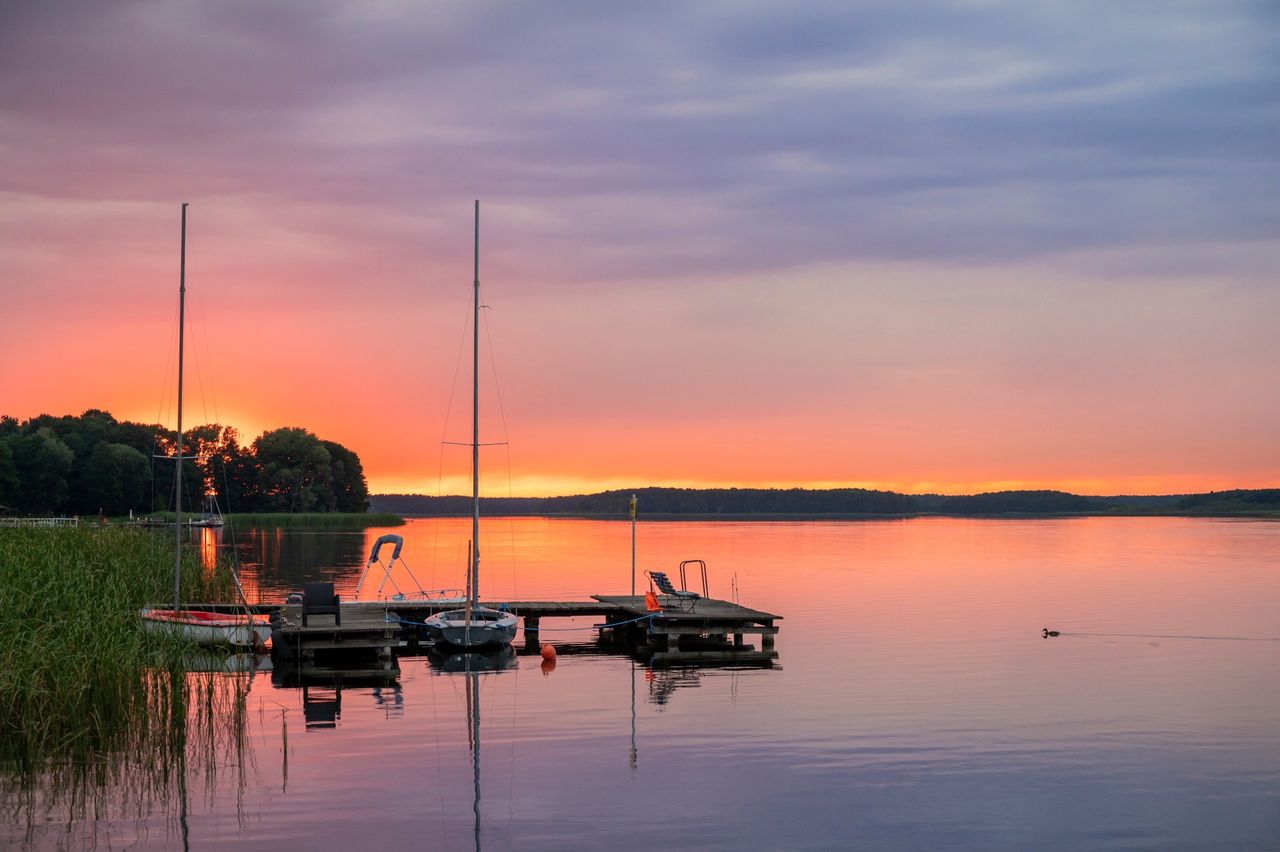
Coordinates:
681	599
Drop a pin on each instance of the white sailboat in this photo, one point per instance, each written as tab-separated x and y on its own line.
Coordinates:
212	516
474	626
203	628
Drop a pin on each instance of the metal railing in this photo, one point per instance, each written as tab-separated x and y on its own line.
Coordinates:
684	583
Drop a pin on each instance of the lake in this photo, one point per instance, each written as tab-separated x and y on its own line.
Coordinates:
914	702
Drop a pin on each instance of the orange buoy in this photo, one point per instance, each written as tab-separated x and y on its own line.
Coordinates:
548	652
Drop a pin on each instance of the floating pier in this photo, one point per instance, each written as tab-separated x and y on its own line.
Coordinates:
381	628
366	632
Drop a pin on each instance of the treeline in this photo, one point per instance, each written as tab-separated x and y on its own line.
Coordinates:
838	501
91	463
1223	502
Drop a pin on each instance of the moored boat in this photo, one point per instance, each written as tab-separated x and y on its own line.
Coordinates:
204	628
474	626
207	628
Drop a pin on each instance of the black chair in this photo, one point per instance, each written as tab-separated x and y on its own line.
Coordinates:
683	600
319	599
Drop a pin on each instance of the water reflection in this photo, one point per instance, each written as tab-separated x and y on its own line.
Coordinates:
275	562
190	727
321	706
322	702
471	665
493	660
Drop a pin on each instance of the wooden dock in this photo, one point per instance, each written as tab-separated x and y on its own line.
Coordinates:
383	627
365	631
708	617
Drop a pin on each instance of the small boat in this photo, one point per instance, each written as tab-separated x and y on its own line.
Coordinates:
203	628
474	626
211	516
209	629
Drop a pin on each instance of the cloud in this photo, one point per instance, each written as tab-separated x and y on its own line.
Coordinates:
714	138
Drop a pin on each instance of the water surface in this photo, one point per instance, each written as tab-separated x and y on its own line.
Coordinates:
914	703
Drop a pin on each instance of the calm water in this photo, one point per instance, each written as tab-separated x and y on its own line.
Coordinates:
914	703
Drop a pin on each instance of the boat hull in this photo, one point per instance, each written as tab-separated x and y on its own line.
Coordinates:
484	628
206	629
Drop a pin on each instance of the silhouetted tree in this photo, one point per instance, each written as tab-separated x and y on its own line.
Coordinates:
293	470
10	487
43	463
349	491
116	478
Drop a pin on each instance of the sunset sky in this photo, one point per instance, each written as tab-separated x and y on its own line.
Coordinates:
921	246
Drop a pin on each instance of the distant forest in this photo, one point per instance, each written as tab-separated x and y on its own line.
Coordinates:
849	502
83	465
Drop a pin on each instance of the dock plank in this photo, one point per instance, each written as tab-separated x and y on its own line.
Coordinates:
704	609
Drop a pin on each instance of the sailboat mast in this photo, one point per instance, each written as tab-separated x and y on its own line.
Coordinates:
475	424
177	476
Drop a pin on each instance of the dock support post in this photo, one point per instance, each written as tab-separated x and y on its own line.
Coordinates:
766	641
737	640
532	638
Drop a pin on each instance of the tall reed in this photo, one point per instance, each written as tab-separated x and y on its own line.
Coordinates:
74	662
332	520
187	727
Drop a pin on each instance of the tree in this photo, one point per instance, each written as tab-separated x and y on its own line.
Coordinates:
93	461
115	479
349	491
10	487
294	471
232	473
43	463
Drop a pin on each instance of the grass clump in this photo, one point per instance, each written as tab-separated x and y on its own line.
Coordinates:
76	668
319	520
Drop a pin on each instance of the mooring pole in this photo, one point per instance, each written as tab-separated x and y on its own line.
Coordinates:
633	545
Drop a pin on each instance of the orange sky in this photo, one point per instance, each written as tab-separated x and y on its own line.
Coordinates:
660	383
1033	255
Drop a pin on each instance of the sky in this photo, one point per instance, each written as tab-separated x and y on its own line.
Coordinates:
933	246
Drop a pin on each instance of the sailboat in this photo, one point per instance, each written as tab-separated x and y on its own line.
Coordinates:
212	516
473	626
202	628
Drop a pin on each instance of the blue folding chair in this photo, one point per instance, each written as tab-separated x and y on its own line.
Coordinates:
680	599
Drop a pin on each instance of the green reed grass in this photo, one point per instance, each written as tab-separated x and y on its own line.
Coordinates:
187	729
76	668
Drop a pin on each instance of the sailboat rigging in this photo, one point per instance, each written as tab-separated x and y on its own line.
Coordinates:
203	628
474	626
